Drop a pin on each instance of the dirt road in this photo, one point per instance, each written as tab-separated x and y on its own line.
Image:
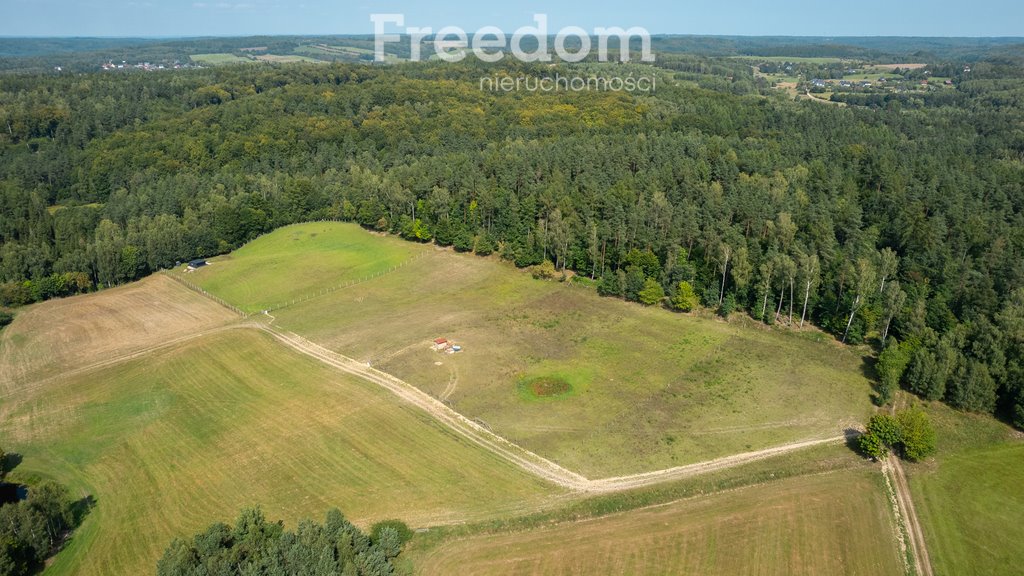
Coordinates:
893	467
513	453
918	549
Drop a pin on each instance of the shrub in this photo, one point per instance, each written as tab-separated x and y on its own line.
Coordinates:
918	435
651	293
685	299
543	271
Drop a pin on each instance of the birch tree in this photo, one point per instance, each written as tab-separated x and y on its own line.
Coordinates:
864	285
888	263
892	299
810	276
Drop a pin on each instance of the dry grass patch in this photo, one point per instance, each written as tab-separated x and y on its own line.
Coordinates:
67	334
835	523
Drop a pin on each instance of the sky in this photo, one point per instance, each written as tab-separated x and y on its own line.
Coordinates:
174	18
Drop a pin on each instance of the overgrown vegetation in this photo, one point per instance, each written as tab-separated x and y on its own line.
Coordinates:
909	433
256	546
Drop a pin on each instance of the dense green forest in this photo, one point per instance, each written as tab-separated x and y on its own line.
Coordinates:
898	224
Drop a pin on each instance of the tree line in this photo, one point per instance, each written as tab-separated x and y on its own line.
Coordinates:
900	227
255	545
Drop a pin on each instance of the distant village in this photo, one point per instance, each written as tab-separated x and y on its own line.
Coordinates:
146	66
896	83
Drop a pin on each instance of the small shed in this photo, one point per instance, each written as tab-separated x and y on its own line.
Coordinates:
198	263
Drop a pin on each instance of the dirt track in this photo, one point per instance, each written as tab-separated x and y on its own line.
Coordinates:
922	562
513	453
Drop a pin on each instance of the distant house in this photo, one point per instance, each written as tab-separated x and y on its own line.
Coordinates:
440	341
818	83
194	264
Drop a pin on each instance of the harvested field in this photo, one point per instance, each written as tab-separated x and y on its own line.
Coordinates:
72	333
836	523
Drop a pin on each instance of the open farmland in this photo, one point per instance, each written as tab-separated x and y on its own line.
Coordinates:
968	498
219	58
835	523
647	389
170	441
72	333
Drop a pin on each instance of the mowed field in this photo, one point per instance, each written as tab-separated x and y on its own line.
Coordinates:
835	523
648	389
172	441
294	261
970	497
71	333
218	58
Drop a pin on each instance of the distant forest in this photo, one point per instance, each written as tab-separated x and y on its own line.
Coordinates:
901	226
85	54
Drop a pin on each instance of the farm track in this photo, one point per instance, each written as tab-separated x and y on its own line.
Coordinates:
918	546
515	454
915	535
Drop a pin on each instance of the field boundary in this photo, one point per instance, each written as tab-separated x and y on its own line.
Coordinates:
196	288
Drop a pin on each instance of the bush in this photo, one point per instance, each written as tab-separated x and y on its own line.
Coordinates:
728	306
651	293
918	435
404	532
685	299
871	446
5	318
543	271
886	428
909	433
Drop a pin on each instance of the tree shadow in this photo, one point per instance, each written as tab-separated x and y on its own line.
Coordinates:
80	509
869	369
10	493
9	463
852	440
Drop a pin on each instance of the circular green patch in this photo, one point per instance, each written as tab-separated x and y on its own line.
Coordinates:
547	387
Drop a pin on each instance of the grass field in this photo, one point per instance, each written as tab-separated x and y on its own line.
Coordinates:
794	59
286	59
296	261
650	389
173	441
348	53
53	337
969	498
219	58
835	523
